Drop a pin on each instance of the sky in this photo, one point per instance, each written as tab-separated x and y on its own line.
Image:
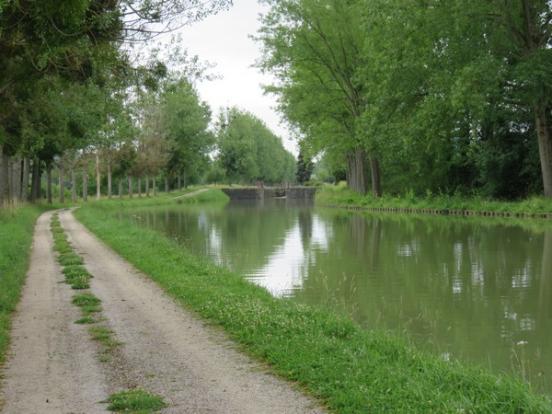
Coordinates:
223	39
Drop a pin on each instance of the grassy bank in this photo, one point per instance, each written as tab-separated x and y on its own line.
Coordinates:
352	370
341	196
16	233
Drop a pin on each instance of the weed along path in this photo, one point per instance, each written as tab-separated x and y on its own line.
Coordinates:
52	366
168	351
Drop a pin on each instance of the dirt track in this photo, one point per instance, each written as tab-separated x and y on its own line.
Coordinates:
165	349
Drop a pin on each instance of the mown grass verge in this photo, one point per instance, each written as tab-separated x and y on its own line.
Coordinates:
16	234
341	196
351	370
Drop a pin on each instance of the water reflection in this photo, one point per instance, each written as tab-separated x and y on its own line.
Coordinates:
469	289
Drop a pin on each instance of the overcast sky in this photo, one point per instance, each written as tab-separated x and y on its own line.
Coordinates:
223	39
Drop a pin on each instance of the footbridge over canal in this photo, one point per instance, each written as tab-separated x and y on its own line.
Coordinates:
261	193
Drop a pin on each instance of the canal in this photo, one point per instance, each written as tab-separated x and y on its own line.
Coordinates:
473	289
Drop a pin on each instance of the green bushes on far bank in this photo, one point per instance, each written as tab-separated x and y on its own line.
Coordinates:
16	233
350	369
341	196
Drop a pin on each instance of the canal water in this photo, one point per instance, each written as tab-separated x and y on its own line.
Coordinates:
477	290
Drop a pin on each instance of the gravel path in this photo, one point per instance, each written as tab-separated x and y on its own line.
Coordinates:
166	350
52	365
192	194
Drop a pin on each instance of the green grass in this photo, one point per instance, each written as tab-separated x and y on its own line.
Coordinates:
340	195
16	232
135	401
350	369
103	335
79	278
69	259
86	320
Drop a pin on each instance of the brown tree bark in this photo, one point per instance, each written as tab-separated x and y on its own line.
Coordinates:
35	180
356	171
25	180
166	184
49	184
85	182
179	182
61	181
376	176
153	186
4	167
544	135
129	186
98	177
9	181
16	179
109	180
73	185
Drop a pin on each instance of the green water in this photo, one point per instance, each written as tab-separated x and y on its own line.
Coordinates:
478	290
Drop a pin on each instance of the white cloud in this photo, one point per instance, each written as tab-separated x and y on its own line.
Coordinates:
223	39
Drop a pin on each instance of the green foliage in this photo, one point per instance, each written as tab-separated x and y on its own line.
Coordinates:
444	94
249	151
352	370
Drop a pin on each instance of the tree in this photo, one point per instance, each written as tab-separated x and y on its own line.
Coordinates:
314	49
304	169
248	151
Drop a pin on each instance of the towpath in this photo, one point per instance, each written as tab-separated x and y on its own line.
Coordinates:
54	367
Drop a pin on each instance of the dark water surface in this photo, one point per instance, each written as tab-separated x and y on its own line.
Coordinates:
478	290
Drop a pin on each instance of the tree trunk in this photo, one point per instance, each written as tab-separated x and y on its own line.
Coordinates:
129	186
3	178
109	182
179	182
35	180
139	186
120	187
16	179
356	171
153	186
544	134
376	176
85	182
98	177
25	180
9	181
49	184
73	185
166	184
61	182
147	186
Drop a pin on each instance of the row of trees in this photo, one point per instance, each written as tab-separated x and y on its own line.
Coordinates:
432	95
247	151
68	88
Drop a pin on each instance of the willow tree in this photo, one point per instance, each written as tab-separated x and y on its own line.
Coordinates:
314	48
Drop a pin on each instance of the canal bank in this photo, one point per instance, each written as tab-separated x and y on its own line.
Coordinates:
341	197
351	369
